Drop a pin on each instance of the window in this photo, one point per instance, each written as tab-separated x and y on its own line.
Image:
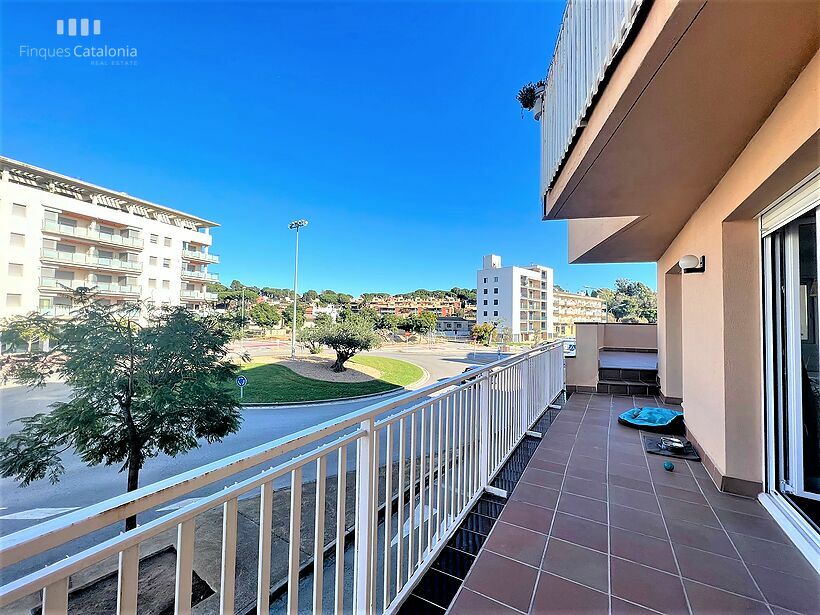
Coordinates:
166	284
167	241
485	302
485	280
495	291
152	283
495	313
14	300
485	312
154	238
166	262
18	211
495	279
485	291
15	270
152	260
17	240
458	325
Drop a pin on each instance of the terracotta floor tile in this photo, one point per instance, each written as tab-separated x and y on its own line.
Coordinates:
502	579
468	602
580	531
631	483
709	600
688	511
555	595
631	498
642	549
588	488
577	563
637	521
542	478
517	543
700	537
751	526
549	466
646	586
536	518
716	570
787	591
532	494
580	506
781	557
622	607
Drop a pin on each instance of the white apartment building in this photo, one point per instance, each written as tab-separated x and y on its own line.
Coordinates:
518	300
58	233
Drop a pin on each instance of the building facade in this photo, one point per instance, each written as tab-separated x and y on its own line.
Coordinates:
454	326
518	300
570	308
699	150
60	234
403	306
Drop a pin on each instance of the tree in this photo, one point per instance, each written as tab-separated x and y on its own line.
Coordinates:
313	338
265	315
287	315
369	313
349	337
310	296
388	322
483	333
420	323
630	301
322	319
142	383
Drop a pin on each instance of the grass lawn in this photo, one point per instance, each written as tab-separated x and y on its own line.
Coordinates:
273	383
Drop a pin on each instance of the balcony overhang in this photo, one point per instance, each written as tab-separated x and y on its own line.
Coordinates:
697	82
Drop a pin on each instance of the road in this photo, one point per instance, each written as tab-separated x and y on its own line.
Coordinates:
80	486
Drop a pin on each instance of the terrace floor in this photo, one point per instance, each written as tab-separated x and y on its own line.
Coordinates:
596	525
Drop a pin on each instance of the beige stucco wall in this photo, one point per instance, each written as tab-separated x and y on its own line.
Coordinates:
582	369
720	308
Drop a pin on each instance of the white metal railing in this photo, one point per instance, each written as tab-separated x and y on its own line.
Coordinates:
199	255
88	260
84	232
200	275
421	459
198	294
592	33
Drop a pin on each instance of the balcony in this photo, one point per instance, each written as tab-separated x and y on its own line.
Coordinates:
617	134
447	445
200	256
80	232
79	259
56	310
199	275
103	288
197	295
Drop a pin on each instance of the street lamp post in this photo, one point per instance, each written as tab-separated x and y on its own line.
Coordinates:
296	224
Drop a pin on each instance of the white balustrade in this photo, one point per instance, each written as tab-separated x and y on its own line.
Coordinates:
421	460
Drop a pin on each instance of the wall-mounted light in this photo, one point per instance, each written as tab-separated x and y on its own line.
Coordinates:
692	264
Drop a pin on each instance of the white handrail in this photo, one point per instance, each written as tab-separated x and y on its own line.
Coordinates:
486	413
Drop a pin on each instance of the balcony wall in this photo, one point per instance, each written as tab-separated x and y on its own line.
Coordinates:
590	338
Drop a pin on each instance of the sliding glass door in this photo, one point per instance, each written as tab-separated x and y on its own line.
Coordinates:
792	317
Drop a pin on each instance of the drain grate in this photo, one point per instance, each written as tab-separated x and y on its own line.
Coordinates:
439	585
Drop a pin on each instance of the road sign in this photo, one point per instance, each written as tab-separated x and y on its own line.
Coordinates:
241	381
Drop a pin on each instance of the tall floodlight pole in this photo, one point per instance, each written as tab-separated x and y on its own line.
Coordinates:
296	224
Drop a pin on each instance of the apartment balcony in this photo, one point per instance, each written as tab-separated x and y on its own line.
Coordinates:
102	288
80	232
635	91
487	495
197	295
199	275
200	256
57	311
88	261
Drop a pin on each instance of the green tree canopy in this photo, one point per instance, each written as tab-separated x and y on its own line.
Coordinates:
142	383
265	315
630	301
349	337
287	315
322	319
388	322
483	333
419	323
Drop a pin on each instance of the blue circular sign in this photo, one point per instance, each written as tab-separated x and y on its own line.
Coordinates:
241	381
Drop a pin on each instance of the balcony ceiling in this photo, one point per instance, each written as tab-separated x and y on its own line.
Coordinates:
681	119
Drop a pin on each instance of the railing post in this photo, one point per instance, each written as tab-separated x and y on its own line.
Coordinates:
525	395
484	430
365	518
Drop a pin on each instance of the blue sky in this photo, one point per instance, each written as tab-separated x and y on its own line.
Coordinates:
392	127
